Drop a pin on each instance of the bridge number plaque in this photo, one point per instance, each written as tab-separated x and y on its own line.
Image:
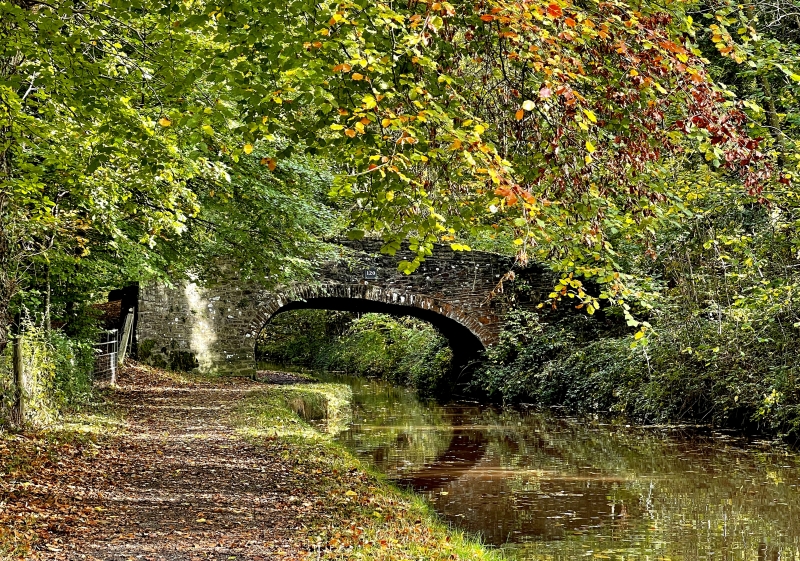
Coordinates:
370	274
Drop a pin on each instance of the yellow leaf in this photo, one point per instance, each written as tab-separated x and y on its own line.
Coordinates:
639	335
590	115
588	159
589	146
390	195
479	129
357	77
164	122
248	148
590	309
351	493
518	241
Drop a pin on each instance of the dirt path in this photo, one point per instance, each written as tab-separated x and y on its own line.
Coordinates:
180	485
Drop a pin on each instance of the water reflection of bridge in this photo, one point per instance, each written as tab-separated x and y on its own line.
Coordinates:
475	487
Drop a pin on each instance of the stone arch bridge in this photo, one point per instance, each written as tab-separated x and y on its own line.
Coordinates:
214	328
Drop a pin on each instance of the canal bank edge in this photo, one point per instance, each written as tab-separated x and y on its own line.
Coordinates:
376	519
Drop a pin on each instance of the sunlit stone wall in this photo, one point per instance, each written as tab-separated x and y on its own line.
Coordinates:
214	328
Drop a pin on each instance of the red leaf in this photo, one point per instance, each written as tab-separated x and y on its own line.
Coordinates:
554	11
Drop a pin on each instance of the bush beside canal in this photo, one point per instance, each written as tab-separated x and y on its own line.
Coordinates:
699	372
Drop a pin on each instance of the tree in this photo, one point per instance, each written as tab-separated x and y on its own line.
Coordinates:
560	124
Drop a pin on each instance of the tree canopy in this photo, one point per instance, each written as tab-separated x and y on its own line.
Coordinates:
571	131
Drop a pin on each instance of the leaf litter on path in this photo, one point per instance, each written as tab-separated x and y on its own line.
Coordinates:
180	482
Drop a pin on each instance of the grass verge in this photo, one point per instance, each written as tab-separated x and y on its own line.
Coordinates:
376	520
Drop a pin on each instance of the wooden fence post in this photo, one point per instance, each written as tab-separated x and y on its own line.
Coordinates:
126	337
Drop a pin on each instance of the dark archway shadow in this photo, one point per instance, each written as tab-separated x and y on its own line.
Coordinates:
466	346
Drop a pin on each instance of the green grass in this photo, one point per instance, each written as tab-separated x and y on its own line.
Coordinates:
376	520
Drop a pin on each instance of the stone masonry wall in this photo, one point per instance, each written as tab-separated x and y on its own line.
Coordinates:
214	328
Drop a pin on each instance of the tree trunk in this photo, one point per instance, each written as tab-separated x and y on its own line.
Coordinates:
47	323
772	119
6	293
4	326
18	413
6	284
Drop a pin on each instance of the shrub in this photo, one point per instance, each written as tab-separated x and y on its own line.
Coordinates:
58	374
403	350
693	370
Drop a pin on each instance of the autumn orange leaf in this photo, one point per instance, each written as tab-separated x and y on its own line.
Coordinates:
554	11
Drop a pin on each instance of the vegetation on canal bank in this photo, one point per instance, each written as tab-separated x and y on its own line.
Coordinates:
59	371
377	521
405	350
726	374
693	369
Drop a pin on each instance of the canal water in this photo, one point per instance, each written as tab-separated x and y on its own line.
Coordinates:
546	487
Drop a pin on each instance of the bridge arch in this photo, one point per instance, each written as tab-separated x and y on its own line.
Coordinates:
465	334
213	326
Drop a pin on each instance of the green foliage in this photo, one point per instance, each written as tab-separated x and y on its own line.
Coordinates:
268	221
59	374
404	350
434	121
693	371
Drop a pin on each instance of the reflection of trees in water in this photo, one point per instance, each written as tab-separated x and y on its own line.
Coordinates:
393	428
567	487
684	496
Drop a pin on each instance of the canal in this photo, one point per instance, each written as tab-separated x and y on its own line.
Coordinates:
550	487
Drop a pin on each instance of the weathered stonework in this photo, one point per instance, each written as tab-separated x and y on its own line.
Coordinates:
216	326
